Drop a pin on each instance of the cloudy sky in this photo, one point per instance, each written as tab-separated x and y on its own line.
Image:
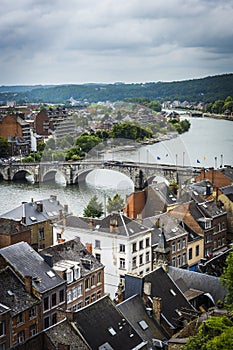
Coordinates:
80	41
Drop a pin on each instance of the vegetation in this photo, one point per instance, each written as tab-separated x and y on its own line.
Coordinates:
227	280
5	149
220	106
181	126
94	209
115	204
208	89
216	333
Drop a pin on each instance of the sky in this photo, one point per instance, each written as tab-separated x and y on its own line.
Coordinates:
107	41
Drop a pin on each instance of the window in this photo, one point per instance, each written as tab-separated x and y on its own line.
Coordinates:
69	296
46	303
147	242
122	263
140	245
93	280
20	318
3	346
93	297
140	259
98	257
208	252
99	277
207	224
97	244
147	257
184	243
87	300
76	272
134	262
184	259
122	248
190	253
32	330
87	283
32	313
174	262
61	295
69	276
46	322
74	293
179	260
80	305
98	294
179	245
54	299
20	337
41	233
54	318
208	238
173	247
134	247
2	328
79	290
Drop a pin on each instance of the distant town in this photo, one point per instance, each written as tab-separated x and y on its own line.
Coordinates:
149	272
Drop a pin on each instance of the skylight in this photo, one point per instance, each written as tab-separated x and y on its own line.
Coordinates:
32	218
112	331
50	273
143	324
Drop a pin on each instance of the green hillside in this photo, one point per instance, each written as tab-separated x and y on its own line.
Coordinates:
207	89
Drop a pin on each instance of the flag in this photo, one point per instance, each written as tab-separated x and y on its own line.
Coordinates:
167	155
158	158
204	158
198	161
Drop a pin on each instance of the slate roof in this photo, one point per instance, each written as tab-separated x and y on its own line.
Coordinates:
228	191
173	300
193	280
75	251
103	326
122	224
164	192
13	293
228	171
25	260
64	333
134	310
10	227
206	209
51	207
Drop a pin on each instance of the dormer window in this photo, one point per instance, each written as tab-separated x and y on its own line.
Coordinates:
69	276
207	224
76	272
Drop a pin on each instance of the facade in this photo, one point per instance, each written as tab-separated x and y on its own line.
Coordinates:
43	282
119	243
37	216
12	232
225	196
83	273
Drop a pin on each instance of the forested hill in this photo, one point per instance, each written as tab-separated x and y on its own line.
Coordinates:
207	89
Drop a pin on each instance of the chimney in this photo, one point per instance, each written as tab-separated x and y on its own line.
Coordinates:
63	346
28	284
48	258
113	225
202	173
60	214
66	208
89	247
64	221
157	306
39	207
90	223
23	213
212	175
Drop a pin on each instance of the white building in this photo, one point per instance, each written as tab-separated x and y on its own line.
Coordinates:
121	244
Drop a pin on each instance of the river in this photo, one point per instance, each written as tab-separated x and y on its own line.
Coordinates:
209	142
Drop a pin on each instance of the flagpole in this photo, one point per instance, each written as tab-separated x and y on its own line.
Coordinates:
215	159
221	160
183	158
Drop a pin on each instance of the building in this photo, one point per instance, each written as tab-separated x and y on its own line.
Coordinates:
24	316
38	216
83	273
38	278
225	196
12	232
121	244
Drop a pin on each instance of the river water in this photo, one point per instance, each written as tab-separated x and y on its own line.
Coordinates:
209	142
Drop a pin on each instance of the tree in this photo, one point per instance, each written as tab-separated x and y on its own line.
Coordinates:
227	280
94	209
115	204
4	148
216	333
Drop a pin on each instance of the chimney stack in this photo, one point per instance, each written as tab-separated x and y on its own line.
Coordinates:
39	207
89	247
28	284
157	306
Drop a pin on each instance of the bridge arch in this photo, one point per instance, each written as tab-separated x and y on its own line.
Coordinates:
54	175
22	175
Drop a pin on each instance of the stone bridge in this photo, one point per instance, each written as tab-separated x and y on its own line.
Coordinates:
75	172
